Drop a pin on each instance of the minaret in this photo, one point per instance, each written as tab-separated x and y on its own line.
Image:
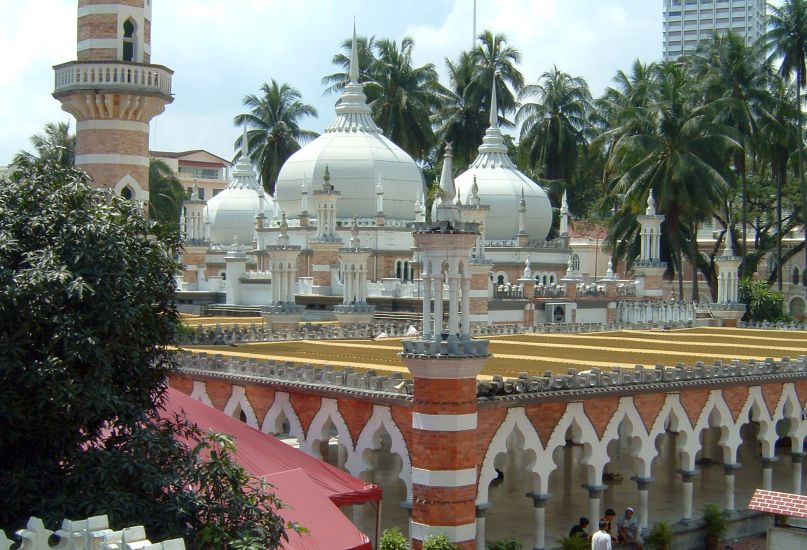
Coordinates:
444	363
728	306
354	309
521	236
325	245
113	90
564	219
649	267
379	202
283	313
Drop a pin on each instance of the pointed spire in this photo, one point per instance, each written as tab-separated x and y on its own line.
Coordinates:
522	203
447	189
651	204
355	241
354	58
475	193
326	180
283	238
494	104
564	206
458	202
244	144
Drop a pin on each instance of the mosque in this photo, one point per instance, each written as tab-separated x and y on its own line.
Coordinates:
347	236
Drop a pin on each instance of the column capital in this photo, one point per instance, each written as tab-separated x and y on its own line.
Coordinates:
594	491
482	509
797	458
642	482
768	461
538	499
728	469
686	475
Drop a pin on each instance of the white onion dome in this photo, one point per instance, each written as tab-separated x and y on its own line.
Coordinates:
232	211
501	185
358	155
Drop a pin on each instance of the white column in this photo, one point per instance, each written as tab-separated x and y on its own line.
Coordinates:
686	496
539	506
427	305
453	305
466	305
643	485
796	459
767	472
594	495
438	304
728	480
481	510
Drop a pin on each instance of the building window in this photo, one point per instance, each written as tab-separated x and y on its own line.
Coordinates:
201	192
575	262
795	277
127	193
128	40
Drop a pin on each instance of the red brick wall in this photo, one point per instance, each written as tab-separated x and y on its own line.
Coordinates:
649	405
693	402
356	414
600	411
306	406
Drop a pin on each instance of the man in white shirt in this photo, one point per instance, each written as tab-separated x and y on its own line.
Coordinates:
601	540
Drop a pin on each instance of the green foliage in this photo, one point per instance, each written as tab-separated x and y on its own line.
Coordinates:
393	539
660	537
508	544
55	144
87	322
714	522
575	543
165	194
764	303
439	542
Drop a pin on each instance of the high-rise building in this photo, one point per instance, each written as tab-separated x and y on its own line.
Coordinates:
688	22
114	90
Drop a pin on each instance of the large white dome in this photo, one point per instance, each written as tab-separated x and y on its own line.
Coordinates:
357	155
232	211
501	185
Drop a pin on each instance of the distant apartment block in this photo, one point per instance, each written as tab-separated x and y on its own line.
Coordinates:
688	22
209	172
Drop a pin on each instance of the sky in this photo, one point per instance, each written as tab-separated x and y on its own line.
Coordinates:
221	51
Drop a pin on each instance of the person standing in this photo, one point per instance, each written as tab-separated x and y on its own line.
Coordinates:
601	540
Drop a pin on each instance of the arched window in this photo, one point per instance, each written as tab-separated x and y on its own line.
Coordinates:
795	277
575	262
500	280
129	40
127	193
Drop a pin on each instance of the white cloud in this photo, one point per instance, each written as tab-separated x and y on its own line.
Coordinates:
221	51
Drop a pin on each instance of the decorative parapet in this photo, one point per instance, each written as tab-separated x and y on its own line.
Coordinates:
454	348
551	290
660	377
649	264
112	75
287	373
87	534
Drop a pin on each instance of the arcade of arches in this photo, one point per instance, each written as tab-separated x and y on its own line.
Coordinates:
543	462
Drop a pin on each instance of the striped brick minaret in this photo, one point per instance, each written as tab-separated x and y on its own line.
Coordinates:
113	90
444	364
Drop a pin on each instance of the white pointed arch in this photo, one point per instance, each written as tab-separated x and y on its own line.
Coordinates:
673	417
639	449
328	413
516	419
583	432
281	408
138	193
381	418
199	392
716	407
239	403
789	408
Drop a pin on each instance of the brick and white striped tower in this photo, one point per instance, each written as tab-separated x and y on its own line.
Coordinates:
444	363
114	91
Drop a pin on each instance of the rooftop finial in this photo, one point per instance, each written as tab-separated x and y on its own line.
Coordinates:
355	242
564	206
326	180
354	58
447	188
527	274
458	202
522	204
494	104
244	144
283	238
651	204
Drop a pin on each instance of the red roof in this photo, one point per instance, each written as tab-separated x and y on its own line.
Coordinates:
262	454
782	504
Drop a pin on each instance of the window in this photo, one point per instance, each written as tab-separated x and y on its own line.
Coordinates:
128	40
201	193
795	276
127	193
575	262
201	173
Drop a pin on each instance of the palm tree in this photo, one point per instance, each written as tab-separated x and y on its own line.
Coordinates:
553	128
787	41
460	120
165	194
733	77
682	161
407	97
273	128
56	143
365	48
493	57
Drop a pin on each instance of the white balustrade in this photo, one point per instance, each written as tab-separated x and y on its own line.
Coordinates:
116	75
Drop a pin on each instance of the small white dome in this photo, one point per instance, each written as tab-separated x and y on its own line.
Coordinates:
232	212
357	154
500	186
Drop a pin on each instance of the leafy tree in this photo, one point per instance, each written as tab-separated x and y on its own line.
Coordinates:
274	132
56	143
165	194
496	61
763	303
87	321
553	127
365	49
393	539
787	42
406	97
